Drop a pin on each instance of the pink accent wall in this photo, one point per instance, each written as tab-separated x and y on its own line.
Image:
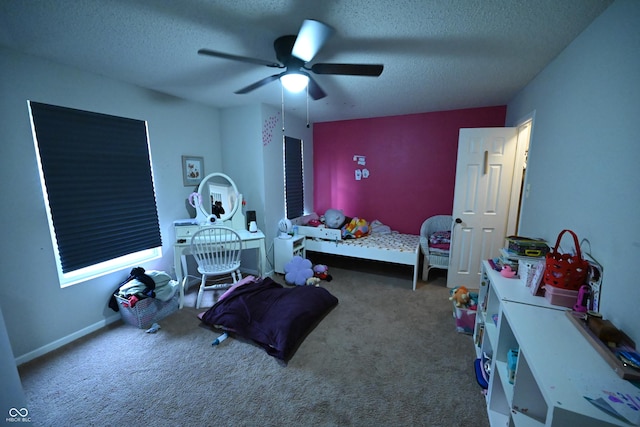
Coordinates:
411	161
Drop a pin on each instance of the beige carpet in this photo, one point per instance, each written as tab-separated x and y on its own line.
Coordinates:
384	356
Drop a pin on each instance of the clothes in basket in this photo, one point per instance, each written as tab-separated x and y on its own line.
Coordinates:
146	297
146	311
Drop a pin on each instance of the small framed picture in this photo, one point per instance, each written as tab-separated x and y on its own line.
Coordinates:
192	170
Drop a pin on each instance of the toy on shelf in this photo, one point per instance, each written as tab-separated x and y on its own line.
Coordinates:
507	272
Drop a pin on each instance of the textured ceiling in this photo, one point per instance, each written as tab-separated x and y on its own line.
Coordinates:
437	54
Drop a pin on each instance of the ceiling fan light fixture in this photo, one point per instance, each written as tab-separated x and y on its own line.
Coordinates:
294	82
294	52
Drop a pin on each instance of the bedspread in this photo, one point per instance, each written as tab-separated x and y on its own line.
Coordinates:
391	242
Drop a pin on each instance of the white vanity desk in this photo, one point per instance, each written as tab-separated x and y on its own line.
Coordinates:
184	229
218	189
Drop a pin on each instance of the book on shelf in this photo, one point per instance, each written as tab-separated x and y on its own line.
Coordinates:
510	254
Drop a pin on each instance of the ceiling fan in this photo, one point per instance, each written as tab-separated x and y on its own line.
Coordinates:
294	53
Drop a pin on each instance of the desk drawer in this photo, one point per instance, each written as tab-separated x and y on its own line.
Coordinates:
184	232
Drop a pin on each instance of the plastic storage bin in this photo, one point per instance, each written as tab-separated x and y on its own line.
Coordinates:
559	296
465	319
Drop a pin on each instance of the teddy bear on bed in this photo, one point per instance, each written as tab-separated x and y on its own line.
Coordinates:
334	218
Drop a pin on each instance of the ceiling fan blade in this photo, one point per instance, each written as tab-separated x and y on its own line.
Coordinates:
311	37
258	84
373	70
315	91
257	61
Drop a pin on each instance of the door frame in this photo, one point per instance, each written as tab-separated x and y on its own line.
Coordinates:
517	186
520	186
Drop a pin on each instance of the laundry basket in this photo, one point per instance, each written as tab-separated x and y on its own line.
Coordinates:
147	310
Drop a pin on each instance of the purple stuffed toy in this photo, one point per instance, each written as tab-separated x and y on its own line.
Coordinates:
297	271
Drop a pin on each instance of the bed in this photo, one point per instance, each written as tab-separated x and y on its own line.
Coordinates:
275	317
390	247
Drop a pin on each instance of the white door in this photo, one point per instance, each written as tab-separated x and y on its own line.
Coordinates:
484	175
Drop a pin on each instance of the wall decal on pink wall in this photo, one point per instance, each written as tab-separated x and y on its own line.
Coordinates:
362	161
268	126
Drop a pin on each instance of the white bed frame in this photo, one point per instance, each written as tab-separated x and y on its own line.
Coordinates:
328	241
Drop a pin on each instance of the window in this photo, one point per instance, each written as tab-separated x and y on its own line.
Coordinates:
293	178
97	182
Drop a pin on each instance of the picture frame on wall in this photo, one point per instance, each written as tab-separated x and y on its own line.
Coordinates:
192	170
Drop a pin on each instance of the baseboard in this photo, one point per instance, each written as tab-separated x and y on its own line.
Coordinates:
256	273
249	272
65	340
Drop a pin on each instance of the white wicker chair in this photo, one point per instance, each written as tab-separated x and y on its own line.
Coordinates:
217	251
434	259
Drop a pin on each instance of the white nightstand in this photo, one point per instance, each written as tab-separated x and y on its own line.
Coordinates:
285	249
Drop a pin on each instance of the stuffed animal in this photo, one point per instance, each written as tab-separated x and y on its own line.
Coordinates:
297	271
321	271
507	272
333	218
460	296
313	281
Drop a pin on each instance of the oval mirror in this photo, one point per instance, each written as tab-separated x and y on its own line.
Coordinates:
219	197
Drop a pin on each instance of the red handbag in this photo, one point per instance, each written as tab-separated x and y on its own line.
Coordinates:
565	271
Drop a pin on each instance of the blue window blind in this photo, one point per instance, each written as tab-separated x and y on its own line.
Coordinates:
97	174
294	177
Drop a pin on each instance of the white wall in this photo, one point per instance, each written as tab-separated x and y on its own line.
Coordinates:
583	168
294	127
252	151
242	154
39	315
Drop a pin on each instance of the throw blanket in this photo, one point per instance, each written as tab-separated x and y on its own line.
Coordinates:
440	240
355	228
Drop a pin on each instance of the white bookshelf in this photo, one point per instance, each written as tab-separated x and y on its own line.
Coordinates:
557	367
